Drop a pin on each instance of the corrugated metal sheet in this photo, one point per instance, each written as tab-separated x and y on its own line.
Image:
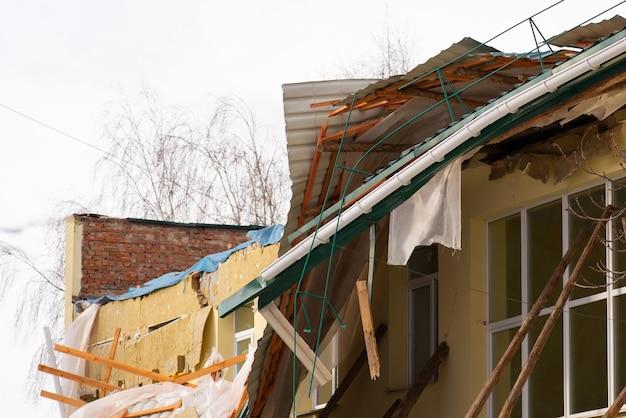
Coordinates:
582	36
302	126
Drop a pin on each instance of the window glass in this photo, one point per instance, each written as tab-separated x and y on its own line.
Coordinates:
505	268
619	199
546	381
500	341
244	318
588	351
544	248
421	335
589	203
620	342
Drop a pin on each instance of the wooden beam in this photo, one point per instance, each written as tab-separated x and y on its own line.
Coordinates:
351	132
283	328
542	339
367	321
327	177
324	104
242	402
211	369
76	378
616	405
339	110
402	407
107	370
350	376
113	363
516	341
63	399
363	146
156	410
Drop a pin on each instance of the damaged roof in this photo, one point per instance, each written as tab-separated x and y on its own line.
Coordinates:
398	178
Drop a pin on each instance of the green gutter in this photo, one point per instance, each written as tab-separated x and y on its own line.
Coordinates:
267	292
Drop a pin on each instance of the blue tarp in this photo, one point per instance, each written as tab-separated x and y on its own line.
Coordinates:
208	264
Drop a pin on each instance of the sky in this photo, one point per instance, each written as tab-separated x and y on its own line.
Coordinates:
68	63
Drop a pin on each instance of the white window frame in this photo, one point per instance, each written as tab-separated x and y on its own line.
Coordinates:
416	283
246	334
334	343
608	296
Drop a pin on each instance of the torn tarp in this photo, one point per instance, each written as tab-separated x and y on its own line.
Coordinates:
210	263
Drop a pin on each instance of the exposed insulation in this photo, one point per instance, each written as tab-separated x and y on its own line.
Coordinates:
171	329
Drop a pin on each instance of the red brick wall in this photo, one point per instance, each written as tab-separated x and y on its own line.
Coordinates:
121	253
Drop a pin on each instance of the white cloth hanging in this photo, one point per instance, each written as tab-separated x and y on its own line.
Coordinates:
432	215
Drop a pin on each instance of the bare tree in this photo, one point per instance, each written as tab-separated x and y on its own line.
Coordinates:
393	55
225	170
151	171
43	292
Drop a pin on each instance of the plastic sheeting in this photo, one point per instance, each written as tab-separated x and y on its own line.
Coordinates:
76	336
432	215
208	264
211	399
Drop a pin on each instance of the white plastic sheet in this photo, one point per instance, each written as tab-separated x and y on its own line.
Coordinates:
211	399
76	336
431	215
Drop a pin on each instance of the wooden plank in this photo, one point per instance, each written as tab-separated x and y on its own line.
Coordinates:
338	110
350	376
76	378
151	411
242	403
402	407
350	132
542	339
324	104
211	369
63	399
107	370
516	341
367	321
113	363
616	405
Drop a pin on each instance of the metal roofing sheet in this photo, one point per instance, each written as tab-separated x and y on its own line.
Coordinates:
454	51
581	36
302	126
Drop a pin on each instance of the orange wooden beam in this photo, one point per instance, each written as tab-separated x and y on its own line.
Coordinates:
63	399
107	371
211	369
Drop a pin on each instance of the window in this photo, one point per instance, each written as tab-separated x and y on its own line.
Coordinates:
322	394
574	374
244	330
422	308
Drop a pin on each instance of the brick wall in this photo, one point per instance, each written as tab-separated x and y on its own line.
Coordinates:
120	253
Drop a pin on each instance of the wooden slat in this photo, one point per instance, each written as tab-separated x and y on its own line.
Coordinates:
542	339
76	378
350	132
402	407
338	110
367	321
616	405
350	376
242	402
63	399
211	369
516	341
154	410
107	370
113	363
324	104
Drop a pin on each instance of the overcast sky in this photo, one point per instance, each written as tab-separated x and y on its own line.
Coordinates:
67	62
